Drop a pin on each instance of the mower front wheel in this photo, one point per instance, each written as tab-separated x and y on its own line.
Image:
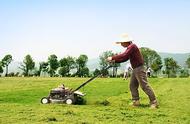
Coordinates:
45	100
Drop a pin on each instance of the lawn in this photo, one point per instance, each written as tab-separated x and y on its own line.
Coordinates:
20	102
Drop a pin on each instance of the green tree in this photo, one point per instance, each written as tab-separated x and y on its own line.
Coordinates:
67	64
81	65
171	67
96	72
6	61
188	62
27	65
184	73
63	71
53	64
156	66
43	68
151	59
103	64
1	68
82	61
84	72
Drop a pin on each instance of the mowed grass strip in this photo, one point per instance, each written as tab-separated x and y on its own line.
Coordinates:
107	102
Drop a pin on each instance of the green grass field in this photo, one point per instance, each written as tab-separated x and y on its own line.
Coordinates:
20	102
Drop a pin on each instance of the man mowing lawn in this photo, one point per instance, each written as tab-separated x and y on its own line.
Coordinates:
138	76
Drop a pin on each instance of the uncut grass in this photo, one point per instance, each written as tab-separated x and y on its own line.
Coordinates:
107	102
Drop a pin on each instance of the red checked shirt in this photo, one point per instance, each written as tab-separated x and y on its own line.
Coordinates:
133	54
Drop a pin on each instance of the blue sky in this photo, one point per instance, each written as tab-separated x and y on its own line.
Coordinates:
73	27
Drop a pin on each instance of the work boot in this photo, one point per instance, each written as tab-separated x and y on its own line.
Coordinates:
154	104
135	103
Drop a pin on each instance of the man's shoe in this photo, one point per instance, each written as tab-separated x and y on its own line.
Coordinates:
135	103
154	104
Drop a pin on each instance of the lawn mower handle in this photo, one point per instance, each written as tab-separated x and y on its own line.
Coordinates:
91	79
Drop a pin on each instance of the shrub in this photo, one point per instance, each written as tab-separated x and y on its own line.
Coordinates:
184	73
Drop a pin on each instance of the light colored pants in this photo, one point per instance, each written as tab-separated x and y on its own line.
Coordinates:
139	77
126	75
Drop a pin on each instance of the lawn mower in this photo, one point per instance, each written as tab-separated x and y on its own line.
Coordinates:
63	94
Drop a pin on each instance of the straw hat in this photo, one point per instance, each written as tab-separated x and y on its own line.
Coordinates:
124	38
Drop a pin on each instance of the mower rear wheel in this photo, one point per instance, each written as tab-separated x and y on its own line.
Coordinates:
69	101
45	100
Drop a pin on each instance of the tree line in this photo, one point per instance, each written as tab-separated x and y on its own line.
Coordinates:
168	67
71	66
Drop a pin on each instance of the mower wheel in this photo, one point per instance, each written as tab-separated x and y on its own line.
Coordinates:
45	100
69	101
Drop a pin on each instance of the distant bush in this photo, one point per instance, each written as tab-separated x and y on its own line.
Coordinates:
11	74
96	72
172	75
184	73
56	75
17	74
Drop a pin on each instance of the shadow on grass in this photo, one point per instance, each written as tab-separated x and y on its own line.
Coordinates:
104	103
144	106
